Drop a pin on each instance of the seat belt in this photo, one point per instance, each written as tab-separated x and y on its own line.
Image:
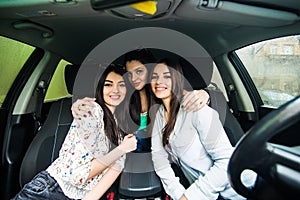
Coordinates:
40	95
232	94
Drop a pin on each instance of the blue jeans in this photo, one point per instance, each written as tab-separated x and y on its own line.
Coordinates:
42	186
143	141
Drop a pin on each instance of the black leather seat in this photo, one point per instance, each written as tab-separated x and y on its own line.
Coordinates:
46	144
197	81
231	125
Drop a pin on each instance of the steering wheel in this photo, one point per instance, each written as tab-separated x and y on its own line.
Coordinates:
278	165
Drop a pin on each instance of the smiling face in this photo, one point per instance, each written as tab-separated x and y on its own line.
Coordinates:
114	90
138	74
161	82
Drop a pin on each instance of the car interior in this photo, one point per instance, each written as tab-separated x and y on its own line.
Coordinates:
65	36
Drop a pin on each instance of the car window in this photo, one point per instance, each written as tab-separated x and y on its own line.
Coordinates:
274	68
13	56
57	88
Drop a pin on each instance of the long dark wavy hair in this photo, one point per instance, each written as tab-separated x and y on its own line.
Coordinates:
145	57
112	130
177	93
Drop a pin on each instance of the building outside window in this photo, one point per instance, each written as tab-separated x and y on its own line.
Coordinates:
273	49
288	49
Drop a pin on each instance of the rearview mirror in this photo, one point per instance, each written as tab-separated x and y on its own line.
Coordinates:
107	4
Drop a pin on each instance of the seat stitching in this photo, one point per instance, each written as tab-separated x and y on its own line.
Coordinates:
56	130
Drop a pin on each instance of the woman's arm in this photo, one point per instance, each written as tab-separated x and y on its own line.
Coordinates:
192	101
195	100
103	185
217	145
100	164
93	138
128	144
81	107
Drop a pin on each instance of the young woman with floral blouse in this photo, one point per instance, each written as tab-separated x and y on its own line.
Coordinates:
92	155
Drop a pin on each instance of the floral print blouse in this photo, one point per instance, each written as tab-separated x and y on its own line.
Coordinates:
85	141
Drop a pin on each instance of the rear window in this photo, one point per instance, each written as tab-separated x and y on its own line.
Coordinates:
57	88
13	56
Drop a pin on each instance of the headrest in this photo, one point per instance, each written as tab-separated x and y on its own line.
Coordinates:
70	76
198	74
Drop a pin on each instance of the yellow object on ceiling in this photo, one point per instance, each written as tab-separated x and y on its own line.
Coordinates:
148	7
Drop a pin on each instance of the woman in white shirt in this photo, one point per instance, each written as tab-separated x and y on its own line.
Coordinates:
195	141
92	155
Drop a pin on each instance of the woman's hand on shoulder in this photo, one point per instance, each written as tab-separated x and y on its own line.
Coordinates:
195	100
81	107
129	143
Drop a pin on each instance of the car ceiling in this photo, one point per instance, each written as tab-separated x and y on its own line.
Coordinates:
74	28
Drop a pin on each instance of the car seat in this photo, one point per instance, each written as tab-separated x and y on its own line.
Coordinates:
195	80
45	146
231	126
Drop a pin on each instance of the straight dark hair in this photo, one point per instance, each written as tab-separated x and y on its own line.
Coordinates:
177	92
113	132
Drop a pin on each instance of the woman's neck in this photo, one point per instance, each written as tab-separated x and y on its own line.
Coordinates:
111	108
144	100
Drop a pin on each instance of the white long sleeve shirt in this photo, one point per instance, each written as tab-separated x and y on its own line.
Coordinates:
203	150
